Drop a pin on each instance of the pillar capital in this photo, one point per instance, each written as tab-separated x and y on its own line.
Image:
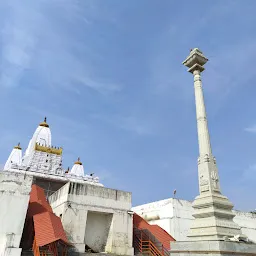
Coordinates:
195	61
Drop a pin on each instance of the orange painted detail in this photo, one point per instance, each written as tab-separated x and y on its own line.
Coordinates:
160	234
164	237
48	229
37	202
43	230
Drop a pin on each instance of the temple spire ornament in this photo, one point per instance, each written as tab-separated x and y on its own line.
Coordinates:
212	211
18	146
78	161
44	123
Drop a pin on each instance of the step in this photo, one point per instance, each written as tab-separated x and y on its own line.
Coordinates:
27	253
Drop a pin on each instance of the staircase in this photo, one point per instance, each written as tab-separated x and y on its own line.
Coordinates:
27	253
43	252
145	243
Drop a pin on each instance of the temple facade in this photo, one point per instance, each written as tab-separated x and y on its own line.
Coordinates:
43	161
94	218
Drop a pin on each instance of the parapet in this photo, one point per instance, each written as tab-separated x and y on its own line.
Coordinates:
50	150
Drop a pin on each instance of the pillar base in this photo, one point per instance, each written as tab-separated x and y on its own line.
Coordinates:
213	218
210	248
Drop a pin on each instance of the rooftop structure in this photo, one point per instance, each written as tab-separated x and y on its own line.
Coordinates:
43	161
174	215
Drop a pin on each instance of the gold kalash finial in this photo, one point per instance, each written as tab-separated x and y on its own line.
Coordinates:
18	146
78	161
44	124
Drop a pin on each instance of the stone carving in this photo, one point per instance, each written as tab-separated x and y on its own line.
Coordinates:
215	179
203	182
206	158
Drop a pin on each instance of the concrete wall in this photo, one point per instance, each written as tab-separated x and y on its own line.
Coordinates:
97	230
247	221
14	198
175	215
79	205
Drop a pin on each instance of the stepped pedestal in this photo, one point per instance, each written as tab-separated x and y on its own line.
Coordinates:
210	248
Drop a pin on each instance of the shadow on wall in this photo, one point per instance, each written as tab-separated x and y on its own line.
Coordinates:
97	230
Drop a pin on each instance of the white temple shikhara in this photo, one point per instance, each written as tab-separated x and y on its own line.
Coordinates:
43	160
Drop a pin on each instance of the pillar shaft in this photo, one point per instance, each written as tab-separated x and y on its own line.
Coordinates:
202	126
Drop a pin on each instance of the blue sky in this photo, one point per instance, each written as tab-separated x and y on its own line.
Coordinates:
108	76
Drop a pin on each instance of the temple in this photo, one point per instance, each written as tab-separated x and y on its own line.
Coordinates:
43	161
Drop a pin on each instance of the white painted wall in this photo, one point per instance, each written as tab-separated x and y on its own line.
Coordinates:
14	198
77	201
175	215
97	230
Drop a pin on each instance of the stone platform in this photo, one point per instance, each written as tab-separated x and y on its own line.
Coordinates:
212	248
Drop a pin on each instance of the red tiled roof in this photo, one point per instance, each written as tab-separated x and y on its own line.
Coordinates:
37	196
48	229
160	234
139	222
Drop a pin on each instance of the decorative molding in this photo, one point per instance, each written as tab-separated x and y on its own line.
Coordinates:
204	188
50	150
206	158
215	179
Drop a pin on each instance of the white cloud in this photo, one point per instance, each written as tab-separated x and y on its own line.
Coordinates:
251	129
39	36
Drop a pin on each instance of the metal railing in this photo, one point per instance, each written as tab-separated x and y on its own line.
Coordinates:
145	242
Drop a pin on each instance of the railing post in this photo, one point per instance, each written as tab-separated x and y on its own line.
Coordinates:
141	242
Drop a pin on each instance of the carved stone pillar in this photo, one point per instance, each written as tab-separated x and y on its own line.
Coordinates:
212	211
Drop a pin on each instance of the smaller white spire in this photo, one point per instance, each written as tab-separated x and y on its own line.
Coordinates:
77	169
14	158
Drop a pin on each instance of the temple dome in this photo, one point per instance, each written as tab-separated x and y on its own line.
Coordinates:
77	169
14	158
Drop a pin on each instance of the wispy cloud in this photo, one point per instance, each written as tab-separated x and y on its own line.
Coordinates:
128	123
33	38
18	44
251	129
